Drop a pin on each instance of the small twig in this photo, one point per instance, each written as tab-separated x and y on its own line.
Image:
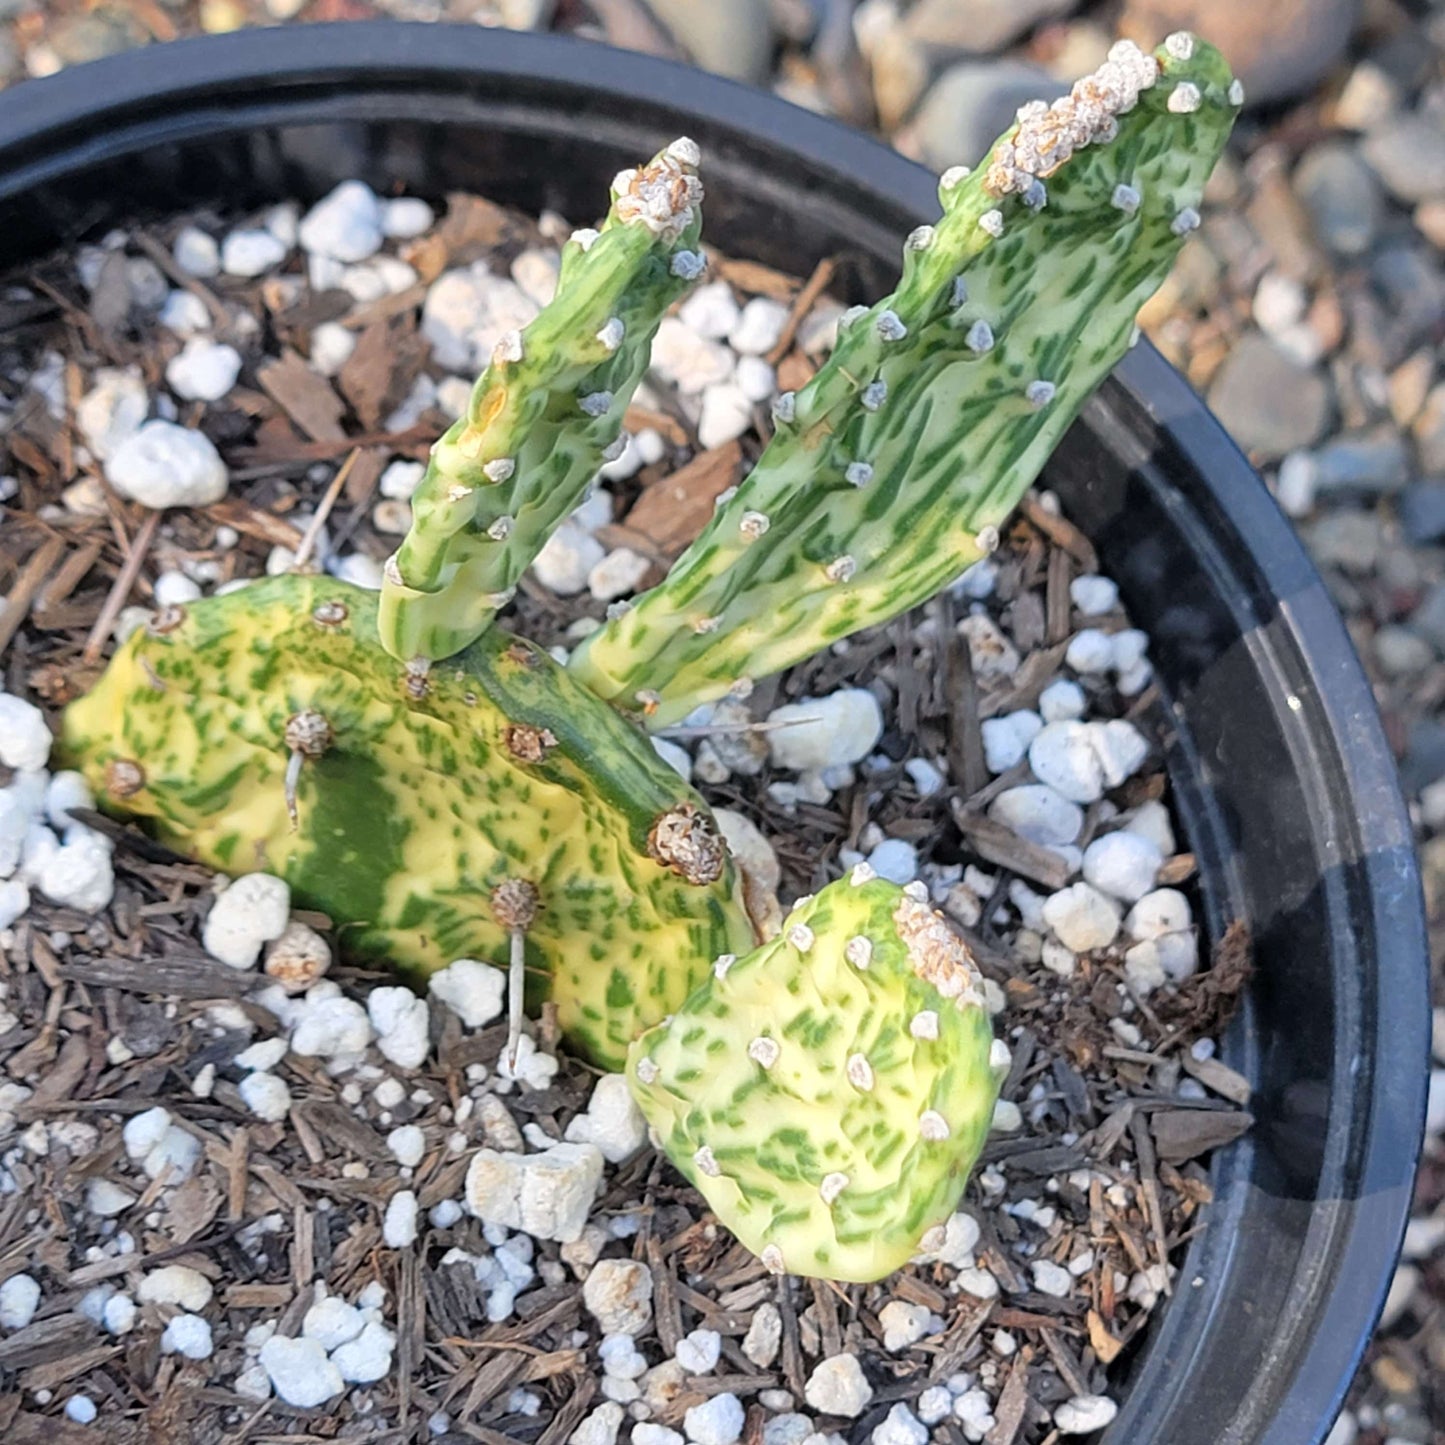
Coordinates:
120	589
313	529
17	605
816	284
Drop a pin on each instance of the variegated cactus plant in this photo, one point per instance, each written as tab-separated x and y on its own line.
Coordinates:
442	789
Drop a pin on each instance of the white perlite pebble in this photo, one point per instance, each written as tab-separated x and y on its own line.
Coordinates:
974	1412
1151	820
1038	813
299	1371
24	737
825	732
838	1387
618	1295
726	413
600	1427
80	874
900	1427
896	860
332	1322
184	314
1063	757
331	348
1082	918
1120	747
617	574
953	1243
934	1404
298	958
81	1409
675	756
204	370
1166	910
251	252
174	589
690	362
407	1144
406	217
165	465
398	1228
613	1122
1052	1279
251	912
105	1198
646	1433
903	1324
112	410
718	1421
621	1358
119	1315
989	651
187	1335
546	1195
266	1096
1062	700
196	253
1006	739
144	1132
401	479
263	1055
1094	596
764	1336
1124	865
472	990
400	1019
14	901
1084	1414
19	1299
1090	651
567	559
758	327
711	311
468	311
330	1027
176	1284
699	1351
755	378
345	225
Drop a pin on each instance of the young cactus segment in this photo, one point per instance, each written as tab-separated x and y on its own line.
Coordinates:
894	467
829	1092
544	414
490	808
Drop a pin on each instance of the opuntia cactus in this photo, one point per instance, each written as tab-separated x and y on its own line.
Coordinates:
424	811
544	415
895	466
828	1093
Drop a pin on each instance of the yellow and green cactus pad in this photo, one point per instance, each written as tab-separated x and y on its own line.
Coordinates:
893	469
267	730
829	1092
545	415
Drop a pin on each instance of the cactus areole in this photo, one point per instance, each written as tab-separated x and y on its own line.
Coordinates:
444	790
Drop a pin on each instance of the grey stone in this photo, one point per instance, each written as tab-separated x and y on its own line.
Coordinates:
1278	48
970	104
1428	619
1270	404
1348	540
1374	462
1409	156
1400	652
1429	429
1413	283
1342	195
78	38
978	27
733	38
1424	759
1421	510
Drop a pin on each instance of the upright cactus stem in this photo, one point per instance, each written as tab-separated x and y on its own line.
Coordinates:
545	414
894	467
828	1092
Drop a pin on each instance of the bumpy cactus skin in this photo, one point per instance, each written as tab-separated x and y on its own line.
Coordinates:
544	415
829	1092
893	468
416	795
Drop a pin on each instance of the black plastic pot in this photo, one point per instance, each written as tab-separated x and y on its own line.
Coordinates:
1282	777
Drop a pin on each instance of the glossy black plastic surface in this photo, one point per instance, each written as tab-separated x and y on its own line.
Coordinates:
1282	776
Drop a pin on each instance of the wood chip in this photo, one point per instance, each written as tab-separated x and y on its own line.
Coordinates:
670	513
998	843
304	395
1181	1134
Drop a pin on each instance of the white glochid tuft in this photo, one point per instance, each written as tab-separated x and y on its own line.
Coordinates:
932	1126
860	1072
1184	99
924	1024
979	338
501	529
611	333
764	1052
500	469
890	326
1186	221
841	569
1125	198
1180	45
992	222
1039	393
801	937
596	403
753	525
832	1186
874	394
785	406
706	1164
859	951
859	474
920	238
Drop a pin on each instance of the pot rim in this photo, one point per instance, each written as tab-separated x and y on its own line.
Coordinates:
115	106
